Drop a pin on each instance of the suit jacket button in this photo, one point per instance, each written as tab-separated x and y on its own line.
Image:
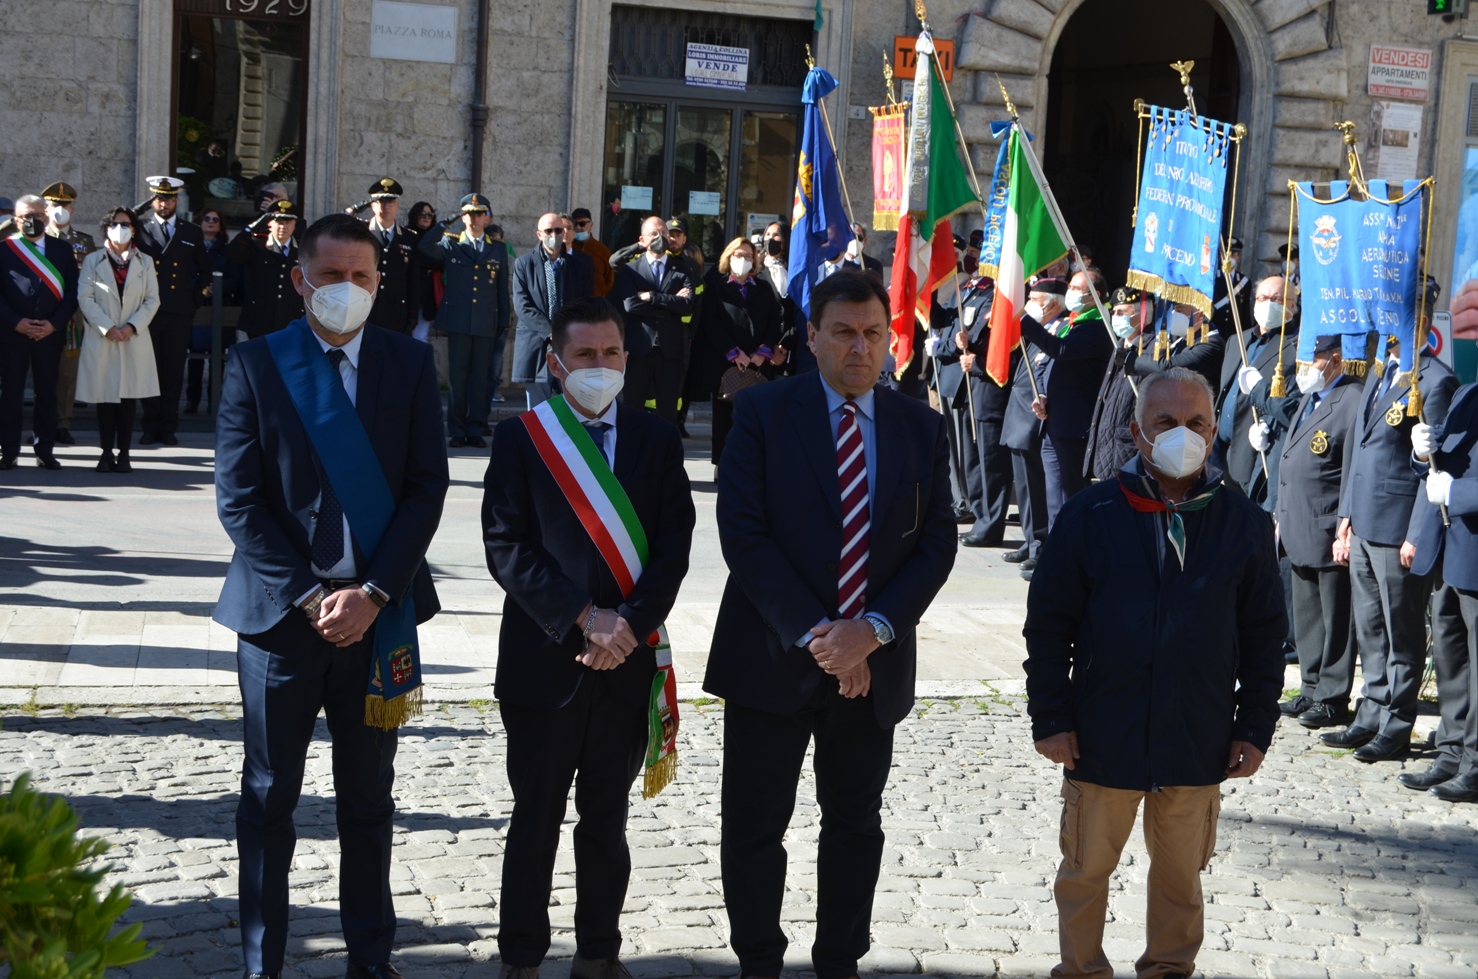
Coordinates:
831	567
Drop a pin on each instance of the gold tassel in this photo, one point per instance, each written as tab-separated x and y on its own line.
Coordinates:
1355	368
390	714
1162	345
1278	386
1414	403
659	776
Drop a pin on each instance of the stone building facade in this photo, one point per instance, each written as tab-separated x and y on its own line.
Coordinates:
92	93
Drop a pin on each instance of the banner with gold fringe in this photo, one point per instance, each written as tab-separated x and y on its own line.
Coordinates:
888	125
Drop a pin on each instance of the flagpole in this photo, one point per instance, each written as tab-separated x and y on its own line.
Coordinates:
969	392
835	149
1226	273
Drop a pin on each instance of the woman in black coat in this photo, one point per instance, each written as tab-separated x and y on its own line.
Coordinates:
420	219
742	326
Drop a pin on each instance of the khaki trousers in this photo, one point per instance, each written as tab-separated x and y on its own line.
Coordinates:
1180	833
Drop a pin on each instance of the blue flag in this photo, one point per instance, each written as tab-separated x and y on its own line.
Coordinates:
1358	272
820	228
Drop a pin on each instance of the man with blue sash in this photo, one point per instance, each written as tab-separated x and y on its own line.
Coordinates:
330	480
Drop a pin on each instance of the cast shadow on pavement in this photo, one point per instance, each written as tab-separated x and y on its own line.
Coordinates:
25	563
27	478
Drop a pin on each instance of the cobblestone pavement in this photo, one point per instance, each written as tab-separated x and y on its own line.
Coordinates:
1324	867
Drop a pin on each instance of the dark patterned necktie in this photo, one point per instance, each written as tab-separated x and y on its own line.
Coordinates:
598	432
551	286
328	532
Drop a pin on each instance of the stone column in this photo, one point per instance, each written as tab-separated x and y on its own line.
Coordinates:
155	114
318	171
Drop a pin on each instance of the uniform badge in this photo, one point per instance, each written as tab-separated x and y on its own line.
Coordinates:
1319	444
1395	415
402	666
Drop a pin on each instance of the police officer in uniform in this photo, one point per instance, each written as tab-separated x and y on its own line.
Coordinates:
1310	468
398	302
1221	305
474	311
59	198
269	254
183	266
1389	601
988	471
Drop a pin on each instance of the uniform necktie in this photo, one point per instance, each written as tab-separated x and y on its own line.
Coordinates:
389	238
598	432
166	232
551	287
657	271
856	518
328	532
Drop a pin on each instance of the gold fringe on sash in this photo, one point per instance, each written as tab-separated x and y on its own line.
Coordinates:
659	776
387	715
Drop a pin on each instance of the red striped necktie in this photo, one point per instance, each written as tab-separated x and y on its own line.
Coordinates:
856	519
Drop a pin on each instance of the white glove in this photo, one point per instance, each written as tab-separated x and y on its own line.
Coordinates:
1439	487
1258	436
1421	440
1247	378
939	346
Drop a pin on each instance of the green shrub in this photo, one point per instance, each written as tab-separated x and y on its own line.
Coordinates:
53	925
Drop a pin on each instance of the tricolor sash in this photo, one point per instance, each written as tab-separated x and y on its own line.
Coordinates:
606	513
393	693
36	261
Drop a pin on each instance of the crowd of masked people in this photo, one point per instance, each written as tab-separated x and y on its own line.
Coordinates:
1364	493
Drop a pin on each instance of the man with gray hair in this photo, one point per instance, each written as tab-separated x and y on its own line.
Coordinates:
1154	630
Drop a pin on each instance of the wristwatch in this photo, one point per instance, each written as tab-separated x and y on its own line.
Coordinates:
880	630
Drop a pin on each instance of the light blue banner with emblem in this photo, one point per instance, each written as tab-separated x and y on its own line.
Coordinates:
1358	268
1178	218
995	202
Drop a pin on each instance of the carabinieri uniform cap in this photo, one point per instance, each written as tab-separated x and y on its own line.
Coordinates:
282	210
476	204
165	186
60	193
385	189
1051	286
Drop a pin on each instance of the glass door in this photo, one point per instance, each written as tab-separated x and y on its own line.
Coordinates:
767	161
700	176
636	152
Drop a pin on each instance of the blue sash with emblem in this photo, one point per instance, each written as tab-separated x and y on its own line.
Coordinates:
343	447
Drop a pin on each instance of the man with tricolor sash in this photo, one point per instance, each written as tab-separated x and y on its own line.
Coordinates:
330	480
588	520
38	295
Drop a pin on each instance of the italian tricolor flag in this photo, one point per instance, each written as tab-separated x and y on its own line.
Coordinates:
1030	241
935	189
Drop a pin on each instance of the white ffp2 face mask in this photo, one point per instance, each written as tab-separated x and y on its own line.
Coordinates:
1310	378
340	307
740	266
1268	315
120	234
1178	453
1179	323
1034	310
593	388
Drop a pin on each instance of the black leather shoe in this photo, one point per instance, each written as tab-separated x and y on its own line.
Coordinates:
1026	573
123	465
1324	715
148	438
963	514
382	971
1015	557
456	443
47	461
64	437
263	975
477	442
1421	781
1383	748
106	462
979	540
168	440
1350	737
1295	707
7	462
583	968
1463	788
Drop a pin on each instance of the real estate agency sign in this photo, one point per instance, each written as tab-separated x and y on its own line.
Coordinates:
1400	73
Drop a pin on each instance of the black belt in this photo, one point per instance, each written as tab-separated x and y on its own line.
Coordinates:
334	584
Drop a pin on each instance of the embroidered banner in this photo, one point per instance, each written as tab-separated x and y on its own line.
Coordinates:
888	123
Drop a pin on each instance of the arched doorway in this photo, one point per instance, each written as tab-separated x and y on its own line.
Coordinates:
1110	53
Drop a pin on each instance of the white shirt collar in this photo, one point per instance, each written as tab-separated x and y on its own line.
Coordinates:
834	400
608	416
351	349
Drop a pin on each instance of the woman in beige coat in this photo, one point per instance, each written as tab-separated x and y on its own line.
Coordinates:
118	294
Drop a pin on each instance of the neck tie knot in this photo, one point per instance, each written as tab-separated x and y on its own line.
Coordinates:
598	430
336	357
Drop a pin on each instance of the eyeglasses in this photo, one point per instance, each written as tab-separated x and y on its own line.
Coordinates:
551	231
209	219
121	224
582	223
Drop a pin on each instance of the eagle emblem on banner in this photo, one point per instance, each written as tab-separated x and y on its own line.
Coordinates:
1325	239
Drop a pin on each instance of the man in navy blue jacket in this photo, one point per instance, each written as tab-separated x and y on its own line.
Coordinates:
1154	630
1445	537
571	276
38	295
303	596
835	518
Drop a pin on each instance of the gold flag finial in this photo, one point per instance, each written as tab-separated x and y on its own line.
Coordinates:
810	61
920	11
1184	67
1348	129
1006	97
888	79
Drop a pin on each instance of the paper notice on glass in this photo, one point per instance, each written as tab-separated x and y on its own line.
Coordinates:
757	221
1394	141
637	197
703	202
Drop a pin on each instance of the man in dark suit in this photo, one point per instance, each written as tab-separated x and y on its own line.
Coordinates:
183	267
1077	348
272	300
305	592
987	461
1021	433
38	295
398	302
655	294
1444	537
947	380
1310	467
575	669
1243	389
544	280
473	313
834	518
1389	602
856	258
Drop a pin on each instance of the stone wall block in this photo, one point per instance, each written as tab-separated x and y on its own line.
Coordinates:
975	121
1306	148
1026	16
1021	88
988	46
414	81
1275	13
1292	113
1315	76
1307	35
96	60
